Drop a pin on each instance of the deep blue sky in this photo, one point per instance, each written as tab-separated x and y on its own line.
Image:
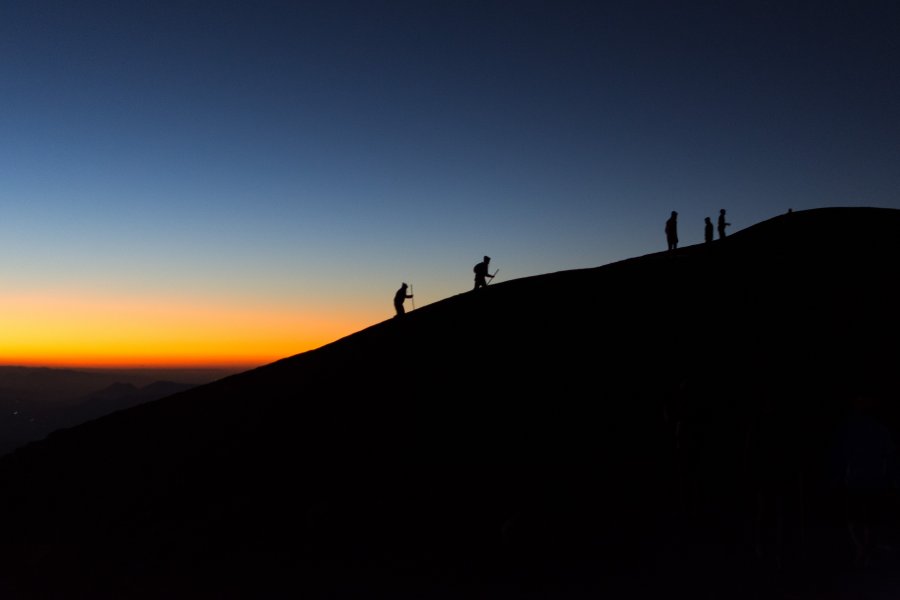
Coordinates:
308	157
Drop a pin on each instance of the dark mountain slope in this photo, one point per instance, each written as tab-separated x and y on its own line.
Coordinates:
626	429
118	396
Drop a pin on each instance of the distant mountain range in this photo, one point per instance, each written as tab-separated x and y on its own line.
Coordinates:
36	401
720	421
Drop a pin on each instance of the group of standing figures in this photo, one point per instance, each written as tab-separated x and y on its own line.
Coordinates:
482	274
672	229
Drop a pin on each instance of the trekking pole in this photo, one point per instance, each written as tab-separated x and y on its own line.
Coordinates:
411	293
487	283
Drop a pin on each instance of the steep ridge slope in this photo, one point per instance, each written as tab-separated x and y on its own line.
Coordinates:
574	430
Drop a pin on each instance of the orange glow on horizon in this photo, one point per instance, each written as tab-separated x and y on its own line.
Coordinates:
87	330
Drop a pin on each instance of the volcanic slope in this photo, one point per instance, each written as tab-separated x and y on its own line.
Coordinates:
626	429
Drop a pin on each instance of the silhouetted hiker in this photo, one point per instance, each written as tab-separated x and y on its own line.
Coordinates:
773	452
399	298
672	231
708	230
722	224
481	271
867	470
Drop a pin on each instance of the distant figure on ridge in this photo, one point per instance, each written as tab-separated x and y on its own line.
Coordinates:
481	271
722	224
399	298
708	230
672	231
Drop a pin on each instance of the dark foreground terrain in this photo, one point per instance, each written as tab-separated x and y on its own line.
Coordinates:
719	422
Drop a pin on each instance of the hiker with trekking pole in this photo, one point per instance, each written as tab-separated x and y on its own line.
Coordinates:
399	298
481	273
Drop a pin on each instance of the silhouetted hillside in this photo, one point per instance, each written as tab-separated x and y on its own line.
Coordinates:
682	425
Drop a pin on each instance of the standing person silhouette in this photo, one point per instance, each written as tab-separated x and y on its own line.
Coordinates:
481	272
722	224
708	230
399	298
672	231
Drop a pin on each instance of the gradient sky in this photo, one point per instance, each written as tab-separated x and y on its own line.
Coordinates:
206	183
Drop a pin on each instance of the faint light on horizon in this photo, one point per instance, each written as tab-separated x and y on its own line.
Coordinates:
94	331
